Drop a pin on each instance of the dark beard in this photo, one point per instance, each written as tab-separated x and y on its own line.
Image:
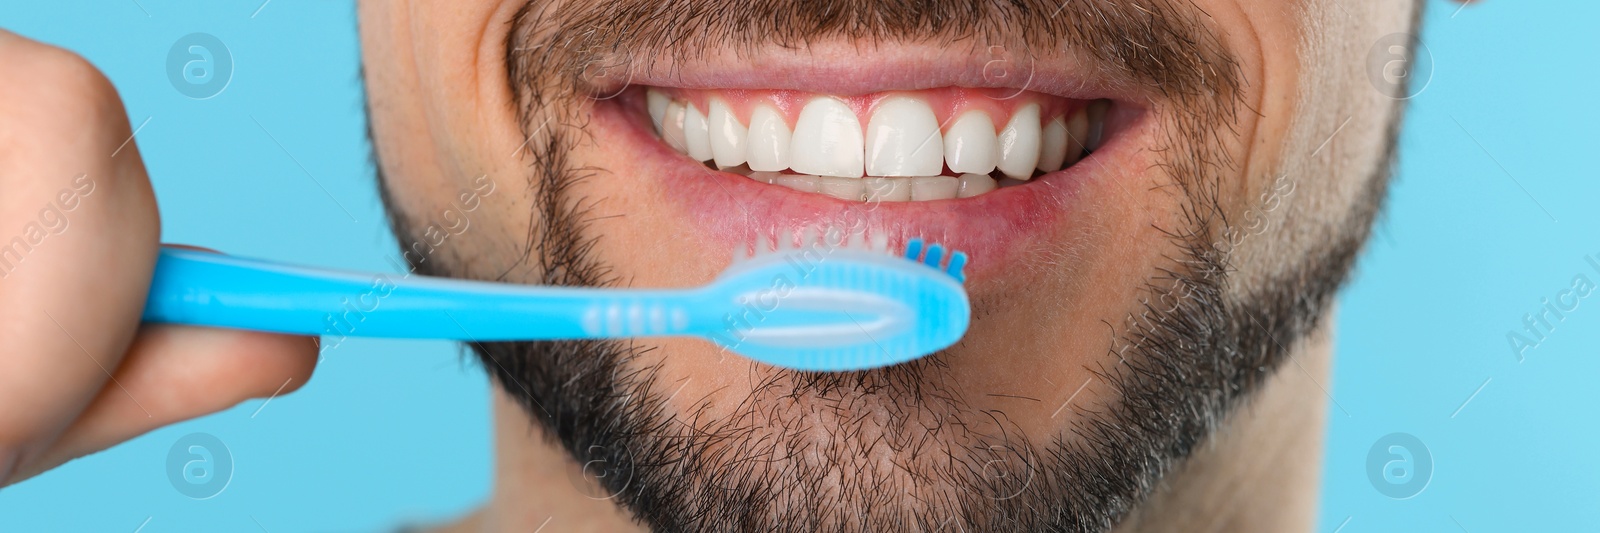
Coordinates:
794	455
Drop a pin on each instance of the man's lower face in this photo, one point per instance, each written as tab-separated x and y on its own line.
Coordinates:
1087	156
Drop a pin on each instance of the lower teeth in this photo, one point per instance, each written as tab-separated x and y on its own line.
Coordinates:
883	189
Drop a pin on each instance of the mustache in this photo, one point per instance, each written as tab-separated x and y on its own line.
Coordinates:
1167	47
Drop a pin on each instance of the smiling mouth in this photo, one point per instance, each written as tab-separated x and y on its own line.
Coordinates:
922	145
899	146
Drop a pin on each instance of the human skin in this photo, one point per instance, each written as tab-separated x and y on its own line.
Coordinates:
445	110
79	373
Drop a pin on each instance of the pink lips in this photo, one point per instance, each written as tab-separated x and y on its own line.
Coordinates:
736	211
997	228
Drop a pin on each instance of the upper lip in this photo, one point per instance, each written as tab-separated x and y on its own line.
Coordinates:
844	69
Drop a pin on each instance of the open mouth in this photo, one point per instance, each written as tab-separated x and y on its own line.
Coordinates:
901	146
924	147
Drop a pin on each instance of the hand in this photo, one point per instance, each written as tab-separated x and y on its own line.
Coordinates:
79	234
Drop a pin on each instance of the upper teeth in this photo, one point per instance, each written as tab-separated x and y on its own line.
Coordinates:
971	145
902	150
903	138
768	139
1019	143
729	137
827	140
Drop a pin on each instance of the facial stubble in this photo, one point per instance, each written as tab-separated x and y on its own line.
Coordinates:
795	454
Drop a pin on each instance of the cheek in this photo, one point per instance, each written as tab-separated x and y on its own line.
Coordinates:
442	117
647	242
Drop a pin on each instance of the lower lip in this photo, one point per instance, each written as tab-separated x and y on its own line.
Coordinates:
736	211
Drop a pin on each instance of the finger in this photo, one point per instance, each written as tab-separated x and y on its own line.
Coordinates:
78	240
175	373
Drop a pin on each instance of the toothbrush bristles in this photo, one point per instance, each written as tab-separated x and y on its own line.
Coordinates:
914	249
952	262
933	255
958	262
879	242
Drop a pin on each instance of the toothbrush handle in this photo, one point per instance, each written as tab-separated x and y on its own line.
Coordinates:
205	289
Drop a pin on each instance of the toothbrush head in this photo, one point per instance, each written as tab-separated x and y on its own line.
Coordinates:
829	308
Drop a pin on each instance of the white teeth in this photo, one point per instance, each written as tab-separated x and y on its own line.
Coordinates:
1053	145
728	135
1077	135
903	139
765	177
672	127
657	104
696	135
842	188
1019	143
902	152
827	140
974	184
769	140
887	189
799	182
934	188
969	144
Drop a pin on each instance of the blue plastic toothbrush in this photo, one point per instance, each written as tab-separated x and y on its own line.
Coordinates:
812	308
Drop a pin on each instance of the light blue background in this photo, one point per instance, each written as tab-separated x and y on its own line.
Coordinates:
1492	212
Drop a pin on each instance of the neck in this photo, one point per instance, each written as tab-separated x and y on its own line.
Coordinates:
1258	472
537	484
